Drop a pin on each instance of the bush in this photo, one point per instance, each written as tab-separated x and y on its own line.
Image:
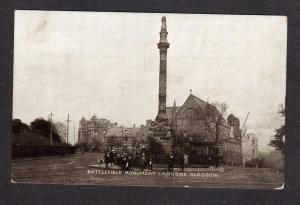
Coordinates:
43	127
258	162
18	126
82	146
274	160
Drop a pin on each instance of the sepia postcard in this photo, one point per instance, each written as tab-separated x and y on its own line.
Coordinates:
149	99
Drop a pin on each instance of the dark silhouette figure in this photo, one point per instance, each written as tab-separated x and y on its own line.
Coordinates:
171	163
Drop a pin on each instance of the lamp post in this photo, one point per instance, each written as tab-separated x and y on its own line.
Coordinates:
185	141
126	138
190	142
103	140
185	137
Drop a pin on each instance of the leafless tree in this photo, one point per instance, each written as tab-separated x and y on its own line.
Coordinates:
215	112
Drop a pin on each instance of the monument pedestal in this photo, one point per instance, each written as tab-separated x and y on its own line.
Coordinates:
162	134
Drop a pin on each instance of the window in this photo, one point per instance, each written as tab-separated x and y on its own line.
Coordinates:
190	113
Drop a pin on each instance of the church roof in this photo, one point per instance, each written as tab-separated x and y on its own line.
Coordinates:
169	111
200	102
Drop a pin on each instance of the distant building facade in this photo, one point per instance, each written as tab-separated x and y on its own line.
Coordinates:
94	130
250	149
130	138
120	137
232	147
105	135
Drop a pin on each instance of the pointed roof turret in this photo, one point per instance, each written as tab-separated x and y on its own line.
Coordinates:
94	117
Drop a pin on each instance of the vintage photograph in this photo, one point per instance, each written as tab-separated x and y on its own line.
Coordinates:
149	99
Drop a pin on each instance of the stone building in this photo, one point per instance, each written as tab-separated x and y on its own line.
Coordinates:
204	128
93	131
119	138
250	149
144	131
130	138
234	124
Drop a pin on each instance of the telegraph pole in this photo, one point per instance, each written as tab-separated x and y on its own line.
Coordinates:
51	129
68	121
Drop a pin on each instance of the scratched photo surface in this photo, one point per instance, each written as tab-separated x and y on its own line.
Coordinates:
149	99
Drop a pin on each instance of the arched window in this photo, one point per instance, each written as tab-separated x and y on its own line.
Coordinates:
190	113
191	117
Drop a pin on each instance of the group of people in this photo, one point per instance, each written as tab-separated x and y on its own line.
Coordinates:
143	161
126	160
183	160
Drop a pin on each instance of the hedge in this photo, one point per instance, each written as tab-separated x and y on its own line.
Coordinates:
22	151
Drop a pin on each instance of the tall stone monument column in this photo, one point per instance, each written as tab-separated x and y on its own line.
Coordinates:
163	45
161	128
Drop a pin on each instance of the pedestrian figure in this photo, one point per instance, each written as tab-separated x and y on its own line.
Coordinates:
106	159
171	163
119	159
182	162
124	163
150	164
186	160
100	161
217	158
128	163
111	158
143	162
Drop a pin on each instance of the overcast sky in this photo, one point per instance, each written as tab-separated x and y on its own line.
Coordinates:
108	64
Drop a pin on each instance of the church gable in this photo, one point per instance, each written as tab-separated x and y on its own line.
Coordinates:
198	119
192	105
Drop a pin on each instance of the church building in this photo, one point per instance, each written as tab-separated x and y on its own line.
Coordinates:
202	126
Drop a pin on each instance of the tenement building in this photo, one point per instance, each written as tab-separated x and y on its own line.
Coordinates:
93	131
120	138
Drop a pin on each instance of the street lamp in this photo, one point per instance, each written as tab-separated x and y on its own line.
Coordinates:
185	136
190	144
103	140
126	138
104	132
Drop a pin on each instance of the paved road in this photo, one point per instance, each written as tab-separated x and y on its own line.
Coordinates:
81	169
